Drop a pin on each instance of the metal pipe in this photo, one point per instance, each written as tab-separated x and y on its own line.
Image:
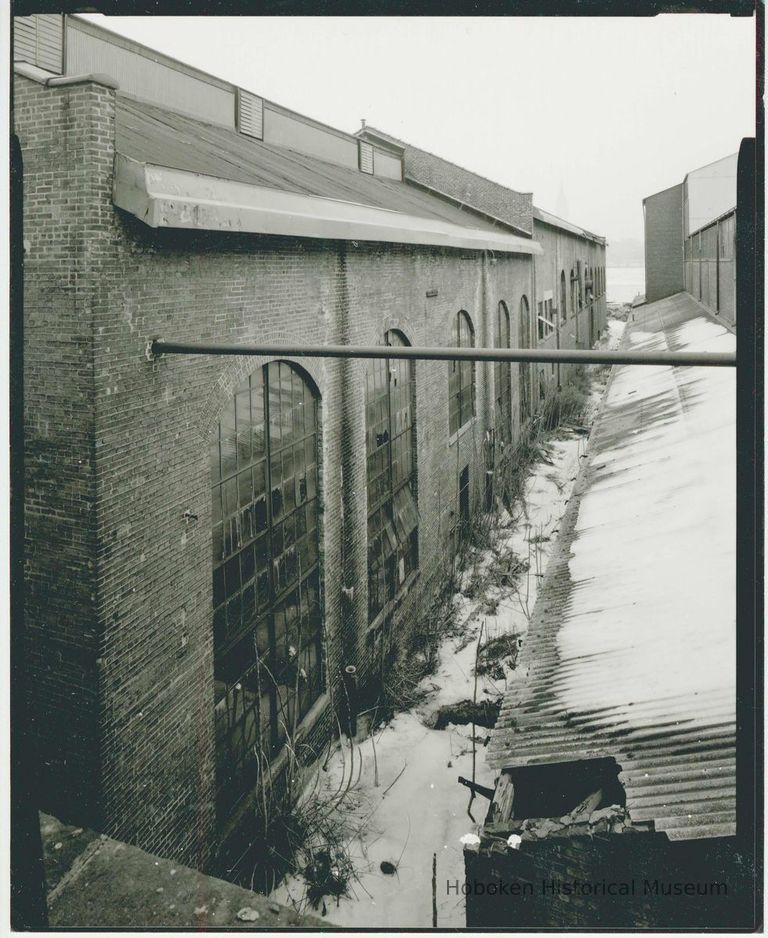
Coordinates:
572	356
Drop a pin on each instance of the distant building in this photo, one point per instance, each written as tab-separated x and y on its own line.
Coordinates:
211	541
690	232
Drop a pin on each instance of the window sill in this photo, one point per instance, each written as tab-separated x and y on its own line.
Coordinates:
394	602
315	712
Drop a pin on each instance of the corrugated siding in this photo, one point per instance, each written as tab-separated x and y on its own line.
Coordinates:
586	691
146	78
250	114
39	40
24	39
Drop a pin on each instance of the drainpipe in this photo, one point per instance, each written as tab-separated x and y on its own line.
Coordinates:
349	683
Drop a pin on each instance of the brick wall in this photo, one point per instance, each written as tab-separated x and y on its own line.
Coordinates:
118	451
64	135
629	858
581	327
664	264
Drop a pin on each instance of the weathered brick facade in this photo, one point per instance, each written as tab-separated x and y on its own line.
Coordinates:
117	448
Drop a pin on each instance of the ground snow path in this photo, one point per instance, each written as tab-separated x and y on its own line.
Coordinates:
425	809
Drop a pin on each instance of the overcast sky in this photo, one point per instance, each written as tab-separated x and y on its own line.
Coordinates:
589	114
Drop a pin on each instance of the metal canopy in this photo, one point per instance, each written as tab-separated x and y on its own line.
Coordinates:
570	356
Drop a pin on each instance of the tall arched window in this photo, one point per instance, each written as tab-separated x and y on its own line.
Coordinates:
393	534
574	292
266	589
523	369
503	377
461	380
563	297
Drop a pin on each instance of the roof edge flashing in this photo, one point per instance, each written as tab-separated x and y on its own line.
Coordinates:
167	198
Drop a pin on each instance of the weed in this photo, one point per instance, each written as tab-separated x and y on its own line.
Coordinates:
497	653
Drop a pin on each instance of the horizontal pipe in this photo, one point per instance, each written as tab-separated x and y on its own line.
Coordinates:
572	356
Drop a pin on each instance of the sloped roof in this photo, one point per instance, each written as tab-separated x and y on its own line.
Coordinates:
148	135
556	222
462	185
631	650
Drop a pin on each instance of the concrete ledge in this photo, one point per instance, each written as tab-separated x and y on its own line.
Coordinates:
97	78
97	882
58	81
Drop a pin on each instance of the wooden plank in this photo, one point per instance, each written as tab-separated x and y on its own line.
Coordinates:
502	804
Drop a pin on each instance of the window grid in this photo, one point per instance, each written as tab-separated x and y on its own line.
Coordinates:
503	377
461	379
266	589
545	319
392	512
574	292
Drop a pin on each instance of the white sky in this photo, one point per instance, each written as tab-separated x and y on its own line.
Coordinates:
606	110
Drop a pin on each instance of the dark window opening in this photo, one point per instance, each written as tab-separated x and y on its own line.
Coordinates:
563	297
393	523
554	790
461	377
524	368
574	292
503	377
464	512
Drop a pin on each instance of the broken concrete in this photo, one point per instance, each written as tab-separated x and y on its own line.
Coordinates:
96	882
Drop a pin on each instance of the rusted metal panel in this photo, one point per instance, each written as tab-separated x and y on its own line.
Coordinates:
668	718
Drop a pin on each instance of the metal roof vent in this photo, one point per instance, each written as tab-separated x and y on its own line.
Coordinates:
365	152
39	40
250	114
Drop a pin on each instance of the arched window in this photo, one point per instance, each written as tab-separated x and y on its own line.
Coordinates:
523	369
563	297
461	380
266	589
503	377
393	535
574	292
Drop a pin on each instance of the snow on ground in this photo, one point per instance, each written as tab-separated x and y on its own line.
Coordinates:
418	808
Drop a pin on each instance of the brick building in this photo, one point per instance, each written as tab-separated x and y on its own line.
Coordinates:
211	541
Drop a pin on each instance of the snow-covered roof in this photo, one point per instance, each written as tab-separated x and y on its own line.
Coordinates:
632	649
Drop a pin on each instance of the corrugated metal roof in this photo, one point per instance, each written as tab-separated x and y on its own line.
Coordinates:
153	135
549	219
631	650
